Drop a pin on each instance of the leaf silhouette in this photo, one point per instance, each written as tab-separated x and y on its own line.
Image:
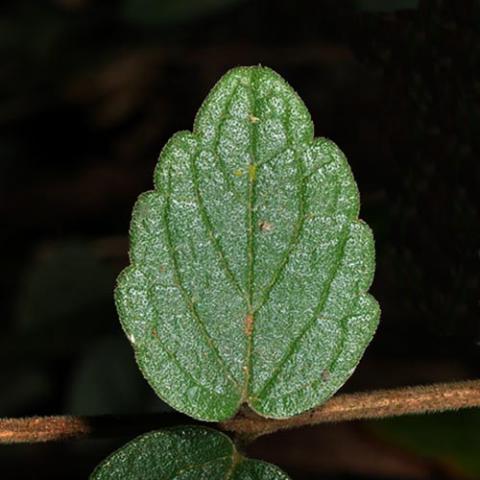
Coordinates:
183	453
249	265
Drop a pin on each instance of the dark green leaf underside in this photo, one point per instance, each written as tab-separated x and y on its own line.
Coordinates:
183	453
249	265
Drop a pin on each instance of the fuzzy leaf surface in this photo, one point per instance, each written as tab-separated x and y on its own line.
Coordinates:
183	453
249	266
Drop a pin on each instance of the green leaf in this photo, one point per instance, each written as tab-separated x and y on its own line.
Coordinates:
183	453
249	266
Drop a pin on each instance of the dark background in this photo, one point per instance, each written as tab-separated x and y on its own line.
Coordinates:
90	90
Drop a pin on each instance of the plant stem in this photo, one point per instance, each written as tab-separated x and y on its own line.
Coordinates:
369	405
66	427
376	404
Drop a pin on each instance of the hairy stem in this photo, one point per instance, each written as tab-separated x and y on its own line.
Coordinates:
376	404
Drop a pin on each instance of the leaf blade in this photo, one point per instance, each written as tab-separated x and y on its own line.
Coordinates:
183	453
249	259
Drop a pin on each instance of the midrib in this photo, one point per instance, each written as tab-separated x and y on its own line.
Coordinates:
249	318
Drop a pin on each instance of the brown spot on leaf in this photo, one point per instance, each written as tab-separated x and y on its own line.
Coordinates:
249	324
325	375
154	332
265	226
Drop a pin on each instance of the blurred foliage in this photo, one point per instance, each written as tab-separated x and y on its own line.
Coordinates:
28	387
64	300
382	6
450	438
168	12
66	287
106	380
431	233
